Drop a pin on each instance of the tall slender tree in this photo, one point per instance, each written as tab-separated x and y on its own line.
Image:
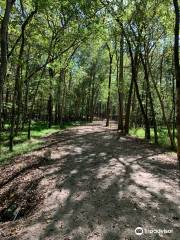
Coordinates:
4	52
177	70
109	85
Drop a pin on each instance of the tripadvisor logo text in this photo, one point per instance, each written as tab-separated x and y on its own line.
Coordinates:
140	231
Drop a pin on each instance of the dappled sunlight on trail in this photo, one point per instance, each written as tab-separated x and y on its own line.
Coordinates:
97	187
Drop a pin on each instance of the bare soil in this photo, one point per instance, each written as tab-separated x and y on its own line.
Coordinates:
88	183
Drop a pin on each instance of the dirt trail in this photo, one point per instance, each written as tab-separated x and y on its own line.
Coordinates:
87	185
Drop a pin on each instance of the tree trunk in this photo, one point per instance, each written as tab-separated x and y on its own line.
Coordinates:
146	74
109	88
128	109
29	127
173	144
177	72
174	109
25	103
50	99
92	97
50	108
121	85
63	94
134	64
18	83
30	115
3	56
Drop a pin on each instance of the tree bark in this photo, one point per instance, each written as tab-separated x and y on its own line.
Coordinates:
128	108
61	92
134	64
17	99
146	74
49	109
121	85
50	99
177	71
109	87
3	56
18	80
92	102
173	144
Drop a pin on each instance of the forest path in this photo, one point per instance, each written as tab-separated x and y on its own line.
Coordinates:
87	184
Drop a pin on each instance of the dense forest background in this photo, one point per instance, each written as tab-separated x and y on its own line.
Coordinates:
66	61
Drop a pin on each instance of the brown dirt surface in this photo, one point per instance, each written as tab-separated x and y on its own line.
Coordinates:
89	184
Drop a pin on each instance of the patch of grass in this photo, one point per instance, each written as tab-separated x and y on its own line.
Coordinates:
137	132
44	131
163	137
23	145
19	149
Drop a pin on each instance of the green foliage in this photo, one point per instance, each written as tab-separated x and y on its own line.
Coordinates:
70	39
23	145
162	135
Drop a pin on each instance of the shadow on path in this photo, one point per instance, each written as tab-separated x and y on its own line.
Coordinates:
97	187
